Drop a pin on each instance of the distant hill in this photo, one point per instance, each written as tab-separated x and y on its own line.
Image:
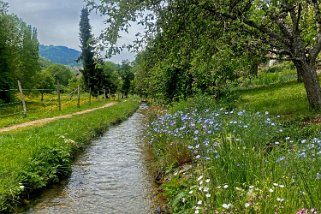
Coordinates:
59	54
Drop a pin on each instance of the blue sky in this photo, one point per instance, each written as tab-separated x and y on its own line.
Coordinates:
57	22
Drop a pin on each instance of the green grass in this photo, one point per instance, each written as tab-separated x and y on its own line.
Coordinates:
33	158
258	158
285	99
48	108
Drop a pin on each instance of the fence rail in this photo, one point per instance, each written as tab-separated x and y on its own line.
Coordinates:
51	100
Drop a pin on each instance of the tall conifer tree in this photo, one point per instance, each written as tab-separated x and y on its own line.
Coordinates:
87	51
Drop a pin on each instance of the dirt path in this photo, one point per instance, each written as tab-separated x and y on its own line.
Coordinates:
48	120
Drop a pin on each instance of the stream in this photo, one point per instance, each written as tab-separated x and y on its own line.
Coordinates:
109	177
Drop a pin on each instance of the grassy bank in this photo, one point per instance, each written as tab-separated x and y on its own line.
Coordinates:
260	157
33	158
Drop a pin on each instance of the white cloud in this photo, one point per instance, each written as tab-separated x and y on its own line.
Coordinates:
57	22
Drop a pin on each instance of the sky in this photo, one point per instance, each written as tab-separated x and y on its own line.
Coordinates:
57	22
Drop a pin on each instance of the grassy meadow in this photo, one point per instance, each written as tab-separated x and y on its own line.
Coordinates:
11	114
261	156
35	157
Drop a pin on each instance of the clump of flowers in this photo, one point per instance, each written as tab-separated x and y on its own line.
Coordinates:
234	148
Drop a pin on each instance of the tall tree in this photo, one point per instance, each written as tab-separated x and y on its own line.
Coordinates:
290	29
127	76
87	51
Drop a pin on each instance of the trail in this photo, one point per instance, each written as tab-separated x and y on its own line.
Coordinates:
51	119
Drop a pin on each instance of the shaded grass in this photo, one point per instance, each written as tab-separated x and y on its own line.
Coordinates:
35	157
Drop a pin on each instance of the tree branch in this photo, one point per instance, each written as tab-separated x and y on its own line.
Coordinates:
317	48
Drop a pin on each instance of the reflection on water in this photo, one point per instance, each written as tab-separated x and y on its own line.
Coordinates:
109	177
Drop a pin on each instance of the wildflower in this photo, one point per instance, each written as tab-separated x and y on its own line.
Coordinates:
191	192
302	155
198	157
277	143
247	205
225	186
318	177
199	202
281	186
275	184
208	195
227	206
207	180
206	189
303	141
280	199
240	113
266	113
280	159
271	190
22	187
287	138
200	178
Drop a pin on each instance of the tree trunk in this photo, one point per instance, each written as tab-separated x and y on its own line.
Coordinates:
298	72
299	76
311	84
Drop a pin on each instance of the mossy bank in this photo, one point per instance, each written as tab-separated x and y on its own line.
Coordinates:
33	158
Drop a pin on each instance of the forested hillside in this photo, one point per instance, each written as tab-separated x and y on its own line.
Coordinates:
59	54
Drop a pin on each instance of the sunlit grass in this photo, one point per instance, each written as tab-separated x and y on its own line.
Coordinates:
260	157
32	158
241	162
286	99
47	108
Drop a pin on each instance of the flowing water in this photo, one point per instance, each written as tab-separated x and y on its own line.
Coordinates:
110	177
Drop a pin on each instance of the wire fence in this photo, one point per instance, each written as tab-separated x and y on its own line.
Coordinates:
44	101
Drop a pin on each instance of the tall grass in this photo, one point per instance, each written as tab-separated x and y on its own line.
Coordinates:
260	157
241	162
33	158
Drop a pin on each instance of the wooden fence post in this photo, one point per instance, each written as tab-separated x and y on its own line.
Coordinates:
78	102
22	99
58	93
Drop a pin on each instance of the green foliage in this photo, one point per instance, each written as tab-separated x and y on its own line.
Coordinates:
111	77
126	74
87	53
48	166
62	74
37	156
203	46
18	55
